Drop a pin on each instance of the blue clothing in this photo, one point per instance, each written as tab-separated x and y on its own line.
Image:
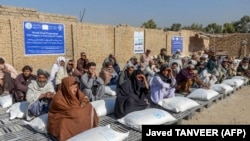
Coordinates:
39	107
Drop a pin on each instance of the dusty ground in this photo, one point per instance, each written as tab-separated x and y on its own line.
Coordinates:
231	110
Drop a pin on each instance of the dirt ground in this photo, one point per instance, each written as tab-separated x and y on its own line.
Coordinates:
234	109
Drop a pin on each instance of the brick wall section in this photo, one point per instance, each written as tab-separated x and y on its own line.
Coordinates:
5	40
192	42
97	40
124	43
16	18
155	40
186	41
198	43
231	43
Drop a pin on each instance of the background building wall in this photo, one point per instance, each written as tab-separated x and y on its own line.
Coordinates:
14	37
232	44
155	40
97	40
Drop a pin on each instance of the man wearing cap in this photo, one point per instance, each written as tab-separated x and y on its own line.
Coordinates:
177	54
244	68
39	94
223	70
186	78
203	74
112	59
134	61
201	65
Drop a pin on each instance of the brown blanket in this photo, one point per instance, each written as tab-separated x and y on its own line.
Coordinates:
70	114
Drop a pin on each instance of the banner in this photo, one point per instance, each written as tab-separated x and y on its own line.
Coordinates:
138	42
43	38
177	43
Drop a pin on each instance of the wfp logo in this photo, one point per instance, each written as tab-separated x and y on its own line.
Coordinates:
28	25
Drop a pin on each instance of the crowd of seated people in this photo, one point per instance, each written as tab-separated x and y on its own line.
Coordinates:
66	92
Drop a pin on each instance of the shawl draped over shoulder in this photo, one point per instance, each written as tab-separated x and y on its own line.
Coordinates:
70	114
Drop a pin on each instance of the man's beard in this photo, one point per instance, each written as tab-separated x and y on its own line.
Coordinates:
41	84
245	67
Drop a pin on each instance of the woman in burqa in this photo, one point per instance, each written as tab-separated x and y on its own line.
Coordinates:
71	112
132	95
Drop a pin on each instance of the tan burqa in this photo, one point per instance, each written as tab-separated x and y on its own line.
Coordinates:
70	114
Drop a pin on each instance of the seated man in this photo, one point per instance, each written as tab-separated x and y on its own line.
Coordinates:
65	71
203	74
223	70
201	65
174	68
92	85
134	61
82	62
70	112
163	84
232	68
163	58
125	74
186	78
244	68
21	83
177	54
55	67
109	75
7	75
111	59
132	95
212	66
145	58
150	70
39	94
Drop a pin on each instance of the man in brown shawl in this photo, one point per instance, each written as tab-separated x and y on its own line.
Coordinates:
71	112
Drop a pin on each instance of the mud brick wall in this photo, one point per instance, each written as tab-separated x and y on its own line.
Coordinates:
97	40
12	42
232	44
155	40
